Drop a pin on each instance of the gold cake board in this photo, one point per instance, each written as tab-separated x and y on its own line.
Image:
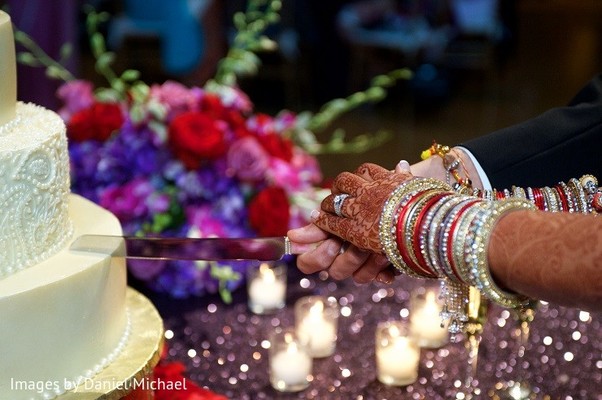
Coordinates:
136	361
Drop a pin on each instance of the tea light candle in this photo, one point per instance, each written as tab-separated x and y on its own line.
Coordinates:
317	324
425	320
397	355
266	288
290	363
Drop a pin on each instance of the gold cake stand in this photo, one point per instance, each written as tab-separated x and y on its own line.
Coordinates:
136	361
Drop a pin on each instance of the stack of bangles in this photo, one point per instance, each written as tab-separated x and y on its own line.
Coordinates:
576	196
428	230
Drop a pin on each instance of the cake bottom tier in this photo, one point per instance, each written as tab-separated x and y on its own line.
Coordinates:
64	320
132	370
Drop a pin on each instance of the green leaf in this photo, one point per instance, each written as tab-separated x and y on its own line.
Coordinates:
53	72
137	114
240	21
97	43
139	92
225	295
28	59
106	95
119	86
130	75
376	94
105	60
66	51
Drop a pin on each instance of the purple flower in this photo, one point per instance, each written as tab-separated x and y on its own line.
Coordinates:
84	158
182	279
135	175
146	269
130	154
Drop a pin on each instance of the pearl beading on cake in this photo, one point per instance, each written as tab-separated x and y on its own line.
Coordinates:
34	183
74	382
10	126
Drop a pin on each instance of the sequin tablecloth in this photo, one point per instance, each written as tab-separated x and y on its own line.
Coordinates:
222	347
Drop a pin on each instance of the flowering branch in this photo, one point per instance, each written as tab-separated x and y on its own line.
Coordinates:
249	40
309	123
119	85
36	57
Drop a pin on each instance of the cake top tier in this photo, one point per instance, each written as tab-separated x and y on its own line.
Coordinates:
8	70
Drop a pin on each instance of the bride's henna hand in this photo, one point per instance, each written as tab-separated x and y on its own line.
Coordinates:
368	189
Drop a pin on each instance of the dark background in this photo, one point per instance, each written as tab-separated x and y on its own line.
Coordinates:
550	48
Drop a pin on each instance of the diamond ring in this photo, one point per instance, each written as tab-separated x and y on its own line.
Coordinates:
338	204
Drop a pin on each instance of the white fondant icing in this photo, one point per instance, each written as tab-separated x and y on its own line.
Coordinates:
64	317
34	187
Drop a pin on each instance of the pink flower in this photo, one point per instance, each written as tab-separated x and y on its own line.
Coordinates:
247	159
233	97
307	167
284	175
301	173
128	201
176	97
202	218
77	95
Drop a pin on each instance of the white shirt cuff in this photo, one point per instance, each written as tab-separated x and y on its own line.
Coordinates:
480	171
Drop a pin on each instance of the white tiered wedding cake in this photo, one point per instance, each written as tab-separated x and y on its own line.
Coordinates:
63	315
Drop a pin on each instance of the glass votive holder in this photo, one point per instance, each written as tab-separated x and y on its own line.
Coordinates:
426	324
266	288
397	354
316	321
290	362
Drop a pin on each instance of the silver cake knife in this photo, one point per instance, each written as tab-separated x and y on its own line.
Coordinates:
210	249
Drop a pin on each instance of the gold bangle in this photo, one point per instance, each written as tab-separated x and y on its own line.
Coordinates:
387	232
475	248
387	222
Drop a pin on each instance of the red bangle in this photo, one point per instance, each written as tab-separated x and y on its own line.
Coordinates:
538	198
563	201
400	231
418	229
400	235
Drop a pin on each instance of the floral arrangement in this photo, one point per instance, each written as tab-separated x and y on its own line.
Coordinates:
197	161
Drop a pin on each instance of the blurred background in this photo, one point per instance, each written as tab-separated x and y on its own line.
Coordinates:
479	65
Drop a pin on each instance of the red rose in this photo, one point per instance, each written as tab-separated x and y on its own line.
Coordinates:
269	212
187	390
212	105
96	122
277	146
194	136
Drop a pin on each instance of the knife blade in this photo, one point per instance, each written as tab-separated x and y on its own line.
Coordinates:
160	248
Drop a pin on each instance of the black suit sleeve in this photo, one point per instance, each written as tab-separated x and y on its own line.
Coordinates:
560	144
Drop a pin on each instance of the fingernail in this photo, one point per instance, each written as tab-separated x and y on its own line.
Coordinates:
383	278
403	165
333	248
314	215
